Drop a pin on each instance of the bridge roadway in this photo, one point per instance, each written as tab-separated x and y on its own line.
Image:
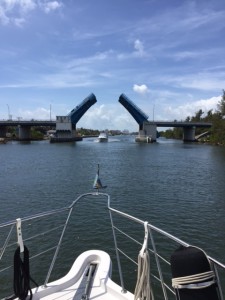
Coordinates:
30	123
179	124
157	123
23	127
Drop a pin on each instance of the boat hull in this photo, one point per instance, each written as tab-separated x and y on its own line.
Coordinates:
102	140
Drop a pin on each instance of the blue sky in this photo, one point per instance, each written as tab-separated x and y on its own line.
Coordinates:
167	56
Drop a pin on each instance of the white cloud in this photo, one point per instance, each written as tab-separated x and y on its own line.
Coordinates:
186	55
181	112
15	11
19	22
205	81
138	46
51	6
17	6
3	18
97	117
139	52
39	113
111	116
27	5
141	89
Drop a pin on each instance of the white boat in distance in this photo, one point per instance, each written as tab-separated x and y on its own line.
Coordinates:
184	272
103	137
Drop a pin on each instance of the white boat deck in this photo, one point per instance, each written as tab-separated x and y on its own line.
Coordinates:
75	284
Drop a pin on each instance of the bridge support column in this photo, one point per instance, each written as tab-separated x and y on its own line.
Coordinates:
65	131
3	131
189	134
148	133
24	133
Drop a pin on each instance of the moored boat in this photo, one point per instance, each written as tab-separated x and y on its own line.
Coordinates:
3	141
178	271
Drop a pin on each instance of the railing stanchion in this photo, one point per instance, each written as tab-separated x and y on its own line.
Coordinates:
57	248
117	255
158	265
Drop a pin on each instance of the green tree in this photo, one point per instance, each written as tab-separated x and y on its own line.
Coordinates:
209	116
198	116
218	129
36	134
188	119
221	105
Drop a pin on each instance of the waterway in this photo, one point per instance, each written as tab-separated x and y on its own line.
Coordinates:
176	186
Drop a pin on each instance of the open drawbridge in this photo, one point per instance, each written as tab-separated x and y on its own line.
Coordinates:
81	109
147	134
135	111
66	125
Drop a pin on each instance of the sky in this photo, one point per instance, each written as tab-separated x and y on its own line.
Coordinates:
167	56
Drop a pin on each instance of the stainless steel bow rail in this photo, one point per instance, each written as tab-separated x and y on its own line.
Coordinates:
160	246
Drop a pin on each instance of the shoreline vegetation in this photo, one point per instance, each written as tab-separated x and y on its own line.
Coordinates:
215	135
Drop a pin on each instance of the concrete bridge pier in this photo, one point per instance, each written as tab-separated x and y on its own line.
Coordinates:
189	134
24	133
3	131
147	133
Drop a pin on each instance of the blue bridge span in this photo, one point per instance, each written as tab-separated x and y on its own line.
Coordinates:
76	113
